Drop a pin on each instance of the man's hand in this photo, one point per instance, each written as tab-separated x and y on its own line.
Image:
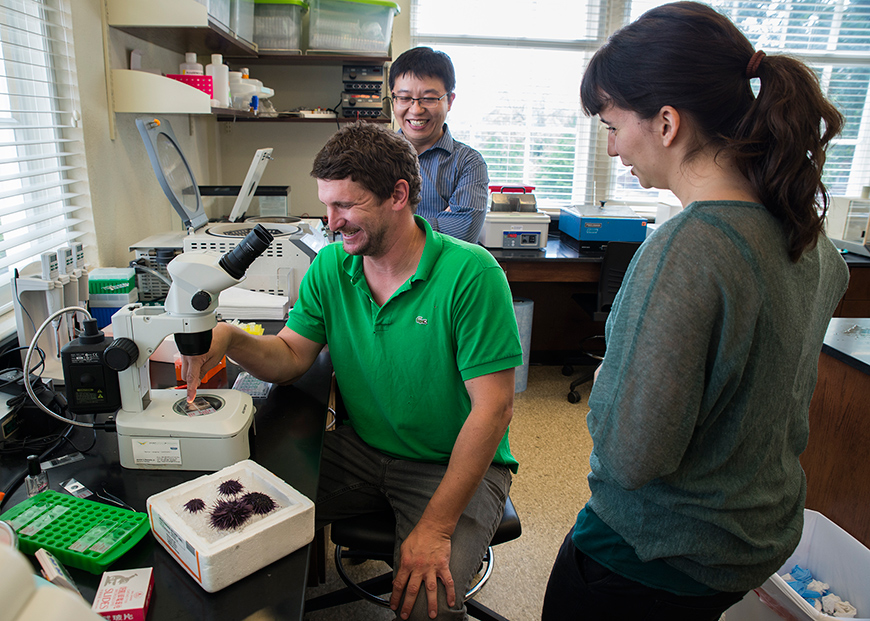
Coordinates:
194	367
425	558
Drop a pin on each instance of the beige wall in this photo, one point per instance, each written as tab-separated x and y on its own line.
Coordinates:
128	204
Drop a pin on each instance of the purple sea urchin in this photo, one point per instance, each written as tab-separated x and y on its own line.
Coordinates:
230	487
229	514
195	505
260	503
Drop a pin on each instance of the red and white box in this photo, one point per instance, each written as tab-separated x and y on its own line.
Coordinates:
124	595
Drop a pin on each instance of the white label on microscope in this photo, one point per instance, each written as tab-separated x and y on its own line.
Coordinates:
156	452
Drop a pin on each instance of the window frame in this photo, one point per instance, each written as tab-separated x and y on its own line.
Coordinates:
594	169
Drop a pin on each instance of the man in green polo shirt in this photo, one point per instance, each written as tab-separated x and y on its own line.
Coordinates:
423	339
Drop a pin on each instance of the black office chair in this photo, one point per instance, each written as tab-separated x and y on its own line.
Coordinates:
372	537
614	265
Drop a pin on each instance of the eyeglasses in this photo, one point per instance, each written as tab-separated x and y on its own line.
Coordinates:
403	101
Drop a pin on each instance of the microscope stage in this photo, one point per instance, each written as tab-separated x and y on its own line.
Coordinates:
166	436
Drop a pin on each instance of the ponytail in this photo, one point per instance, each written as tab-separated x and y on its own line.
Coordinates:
780	147
689	56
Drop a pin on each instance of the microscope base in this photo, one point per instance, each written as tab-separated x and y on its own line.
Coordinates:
165	437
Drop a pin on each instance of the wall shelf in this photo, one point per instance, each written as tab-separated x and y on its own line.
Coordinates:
282	58
177	25
149	93
248	117
185	26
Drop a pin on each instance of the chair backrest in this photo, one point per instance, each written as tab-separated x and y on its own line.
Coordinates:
614	265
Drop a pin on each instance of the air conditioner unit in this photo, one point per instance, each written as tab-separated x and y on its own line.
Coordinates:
847	223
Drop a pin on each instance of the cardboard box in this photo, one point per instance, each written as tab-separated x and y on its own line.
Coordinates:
124	595
217	558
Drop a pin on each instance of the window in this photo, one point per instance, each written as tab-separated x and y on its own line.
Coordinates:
44	201
519	64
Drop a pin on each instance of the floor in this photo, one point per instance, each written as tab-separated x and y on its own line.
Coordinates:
550	440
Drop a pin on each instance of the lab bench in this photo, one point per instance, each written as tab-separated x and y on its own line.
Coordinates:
835	460
290	425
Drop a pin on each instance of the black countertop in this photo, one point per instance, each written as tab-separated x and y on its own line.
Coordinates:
848	340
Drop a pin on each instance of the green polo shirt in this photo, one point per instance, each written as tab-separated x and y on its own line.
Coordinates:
401	367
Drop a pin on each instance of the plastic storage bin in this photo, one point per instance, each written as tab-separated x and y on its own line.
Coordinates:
357	26
111	280
204	83
219	10
242	18
278	24
103	305
833	556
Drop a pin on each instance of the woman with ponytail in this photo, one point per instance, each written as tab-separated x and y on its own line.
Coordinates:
699	411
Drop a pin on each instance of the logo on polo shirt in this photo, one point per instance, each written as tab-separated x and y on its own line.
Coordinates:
422	320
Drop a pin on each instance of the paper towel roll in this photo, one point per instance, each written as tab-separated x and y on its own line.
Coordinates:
523	309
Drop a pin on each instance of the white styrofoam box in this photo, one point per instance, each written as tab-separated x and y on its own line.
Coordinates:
216	559
831	555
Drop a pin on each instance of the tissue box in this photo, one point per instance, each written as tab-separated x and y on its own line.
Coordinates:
217	558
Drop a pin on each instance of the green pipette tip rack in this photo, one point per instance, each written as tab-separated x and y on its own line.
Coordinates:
79	533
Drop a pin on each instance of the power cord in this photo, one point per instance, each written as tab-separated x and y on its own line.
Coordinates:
13	484
139	264
108	425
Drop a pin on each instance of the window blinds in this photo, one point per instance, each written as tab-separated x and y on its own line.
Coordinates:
43	181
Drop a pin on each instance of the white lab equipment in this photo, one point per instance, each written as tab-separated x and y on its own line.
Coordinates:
37	292
159	429
281	267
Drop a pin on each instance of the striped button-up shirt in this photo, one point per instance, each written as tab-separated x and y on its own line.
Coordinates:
455	180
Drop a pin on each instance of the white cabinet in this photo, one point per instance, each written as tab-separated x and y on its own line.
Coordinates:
178	25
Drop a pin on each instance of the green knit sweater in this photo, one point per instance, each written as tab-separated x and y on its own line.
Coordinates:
699	412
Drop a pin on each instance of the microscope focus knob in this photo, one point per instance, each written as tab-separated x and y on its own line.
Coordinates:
121	354
201	300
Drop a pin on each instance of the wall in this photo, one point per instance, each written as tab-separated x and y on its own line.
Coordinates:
128	204
294	144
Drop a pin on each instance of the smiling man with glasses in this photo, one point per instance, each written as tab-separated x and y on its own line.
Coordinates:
455	176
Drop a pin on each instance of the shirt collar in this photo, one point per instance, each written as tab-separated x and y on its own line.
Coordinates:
445	142
353	264
431	251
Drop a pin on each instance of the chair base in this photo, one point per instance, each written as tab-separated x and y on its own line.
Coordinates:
371	589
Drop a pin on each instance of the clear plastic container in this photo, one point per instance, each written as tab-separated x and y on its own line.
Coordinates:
219	10
242	18
356	26
278	24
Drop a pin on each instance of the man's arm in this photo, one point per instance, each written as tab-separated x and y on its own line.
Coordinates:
425	554
466	207
280	358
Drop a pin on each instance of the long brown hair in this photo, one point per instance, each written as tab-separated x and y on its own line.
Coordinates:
689	56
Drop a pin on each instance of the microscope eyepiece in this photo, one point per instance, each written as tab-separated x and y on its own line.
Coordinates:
237	261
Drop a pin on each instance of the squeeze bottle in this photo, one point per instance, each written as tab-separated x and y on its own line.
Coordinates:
220	74
190	66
